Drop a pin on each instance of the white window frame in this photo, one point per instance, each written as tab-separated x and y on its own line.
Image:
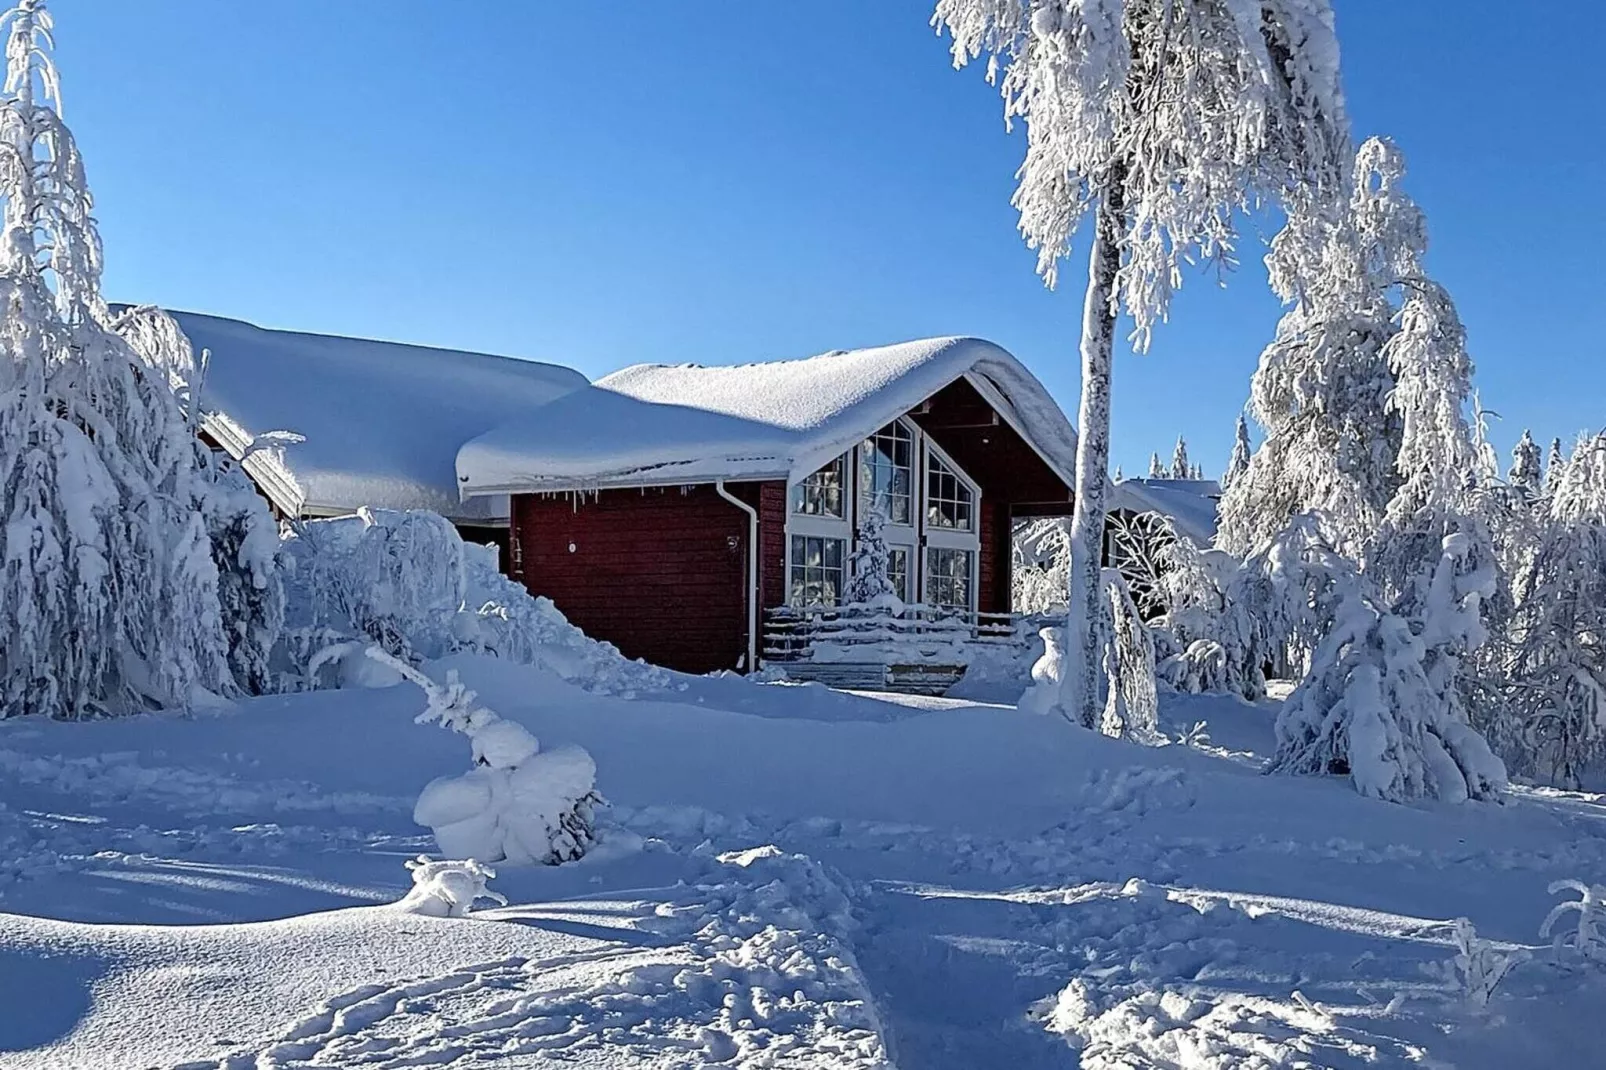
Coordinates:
904	537
951	538
819	526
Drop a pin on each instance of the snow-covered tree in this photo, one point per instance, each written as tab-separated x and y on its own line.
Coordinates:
520	803
1181	467
1163	120
1379	703
1238	463
1118	477
1557	671
869	576
243	533
1321	392
109	597
1555	466
1526	472
1156	469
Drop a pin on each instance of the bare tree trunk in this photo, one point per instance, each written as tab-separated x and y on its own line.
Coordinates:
1079	695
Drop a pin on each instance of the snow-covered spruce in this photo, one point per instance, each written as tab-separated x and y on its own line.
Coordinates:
1131	706
1526	470
1181	467
1380	702
448	888
869	577
98	614
1238	463
1162	145
518	804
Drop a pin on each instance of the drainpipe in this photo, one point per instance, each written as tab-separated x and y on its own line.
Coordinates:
752	572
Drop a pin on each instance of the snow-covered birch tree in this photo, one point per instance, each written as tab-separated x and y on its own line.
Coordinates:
1163	119
1321	391
109	595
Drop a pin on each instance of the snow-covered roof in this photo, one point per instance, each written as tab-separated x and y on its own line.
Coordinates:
656	424
1190	503
382	420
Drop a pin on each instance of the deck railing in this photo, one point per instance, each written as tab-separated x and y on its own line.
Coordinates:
794	633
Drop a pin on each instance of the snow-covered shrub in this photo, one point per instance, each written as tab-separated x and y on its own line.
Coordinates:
519	803
448	888
1379	703
1477	967
408	582
1588	937
1200	669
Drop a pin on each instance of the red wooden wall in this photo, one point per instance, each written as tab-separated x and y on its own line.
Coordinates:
658	572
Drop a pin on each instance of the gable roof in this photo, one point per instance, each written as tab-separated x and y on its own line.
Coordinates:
382	420
656	424
1189	503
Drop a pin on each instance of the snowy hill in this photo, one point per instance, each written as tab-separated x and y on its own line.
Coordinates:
789	877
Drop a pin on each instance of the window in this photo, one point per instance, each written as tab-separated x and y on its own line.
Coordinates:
822	494
949	501
898	570
816	578
886	467
948	577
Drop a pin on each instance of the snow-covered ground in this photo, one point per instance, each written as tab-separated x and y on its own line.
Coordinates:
788	877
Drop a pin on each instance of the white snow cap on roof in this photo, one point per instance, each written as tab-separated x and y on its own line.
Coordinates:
382	420
1190	503
656	424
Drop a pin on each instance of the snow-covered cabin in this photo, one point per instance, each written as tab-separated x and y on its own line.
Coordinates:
1190	504
665	508
382	421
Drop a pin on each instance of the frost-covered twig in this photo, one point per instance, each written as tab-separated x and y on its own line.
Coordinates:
1586	938
1477	968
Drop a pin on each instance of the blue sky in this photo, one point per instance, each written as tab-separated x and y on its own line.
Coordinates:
717	181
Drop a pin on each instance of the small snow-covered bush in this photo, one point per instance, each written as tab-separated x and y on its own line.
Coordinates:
1043	696
1478	968
448	888
1588	937
518	804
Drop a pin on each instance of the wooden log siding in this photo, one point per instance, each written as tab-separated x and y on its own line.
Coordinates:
658	572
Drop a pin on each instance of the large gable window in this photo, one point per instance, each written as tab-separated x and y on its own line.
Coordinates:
950	503
824	492
886	473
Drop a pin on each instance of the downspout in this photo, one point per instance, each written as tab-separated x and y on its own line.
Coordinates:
752	572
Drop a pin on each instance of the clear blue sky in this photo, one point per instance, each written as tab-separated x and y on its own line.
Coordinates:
714	181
